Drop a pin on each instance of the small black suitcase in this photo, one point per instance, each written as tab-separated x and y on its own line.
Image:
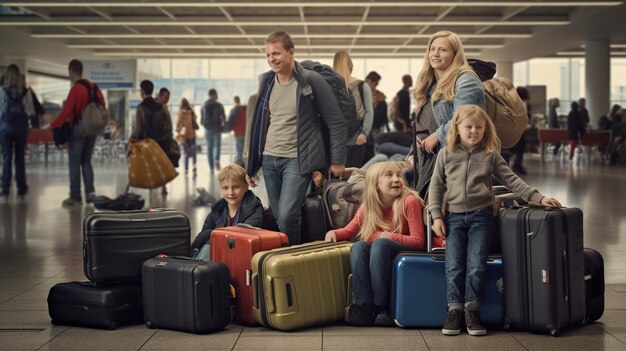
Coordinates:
115	244
84	304
542	254
314	219
186	294
594	284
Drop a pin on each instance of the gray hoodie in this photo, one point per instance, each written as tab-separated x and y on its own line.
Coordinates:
466	176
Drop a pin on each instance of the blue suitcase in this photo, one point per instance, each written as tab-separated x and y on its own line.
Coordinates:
418	296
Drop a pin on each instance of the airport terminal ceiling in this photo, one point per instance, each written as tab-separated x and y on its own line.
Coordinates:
48	33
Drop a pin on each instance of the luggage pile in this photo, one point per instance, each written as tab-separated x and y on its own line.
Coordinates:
542	280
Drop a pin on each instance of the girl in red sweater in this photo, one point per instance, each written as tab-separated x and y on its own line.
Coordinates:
389	221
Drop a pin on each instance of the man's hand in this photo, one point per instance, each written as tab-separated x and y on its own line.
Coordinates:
439	227
337	169
251	181
330	237
361	139
549	201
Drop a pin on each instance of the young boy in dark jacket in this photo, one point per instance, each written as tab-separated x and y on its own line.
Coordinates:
238	205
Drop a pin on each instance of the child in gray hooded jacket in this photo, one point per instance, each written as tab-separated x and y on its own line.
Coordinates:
465	168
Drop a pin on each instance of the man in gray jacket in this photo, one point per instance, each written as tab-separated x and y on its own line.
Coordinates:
297	128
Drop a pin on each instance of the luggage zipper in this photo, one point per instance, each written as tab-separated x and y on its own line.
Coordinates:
523	222
140	235
263	258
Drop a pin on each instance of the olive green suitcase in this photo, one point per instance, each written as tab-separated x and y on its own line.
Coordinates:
301	286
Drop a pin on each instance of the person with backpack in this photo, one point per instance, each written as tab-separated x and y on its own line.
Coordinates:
402	106
212	119
80	147
13	129
342	63
186	126
153	121
445	83
297	128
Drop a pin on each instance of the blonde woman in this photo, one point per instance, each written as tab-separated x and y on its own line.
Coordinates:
445	83
389	221
186	126
342	63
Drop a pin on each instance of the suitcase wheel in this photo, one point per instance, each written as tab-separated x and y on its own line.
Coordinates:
54	322
554	332
113	326
506	326
149	325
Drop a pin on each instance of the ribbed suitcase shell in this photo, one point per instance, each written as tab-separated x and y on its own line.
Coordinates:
115	244
301	286
186	294
542	253
84	304
235	246
418	296
594	284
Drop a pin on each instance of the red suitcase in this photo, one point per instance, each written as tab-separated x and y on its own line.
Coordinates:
235	246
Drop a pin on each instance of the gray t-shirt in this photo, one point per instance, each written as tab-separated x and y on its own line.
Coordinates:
281	140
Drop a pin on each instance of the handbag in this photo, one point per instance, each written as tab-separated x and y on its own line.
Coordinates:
61	135
149	167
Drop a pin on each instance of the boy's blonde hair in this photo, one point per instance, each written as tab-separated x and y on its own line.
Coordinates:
235	172
373	219
342	64
447	83
490	141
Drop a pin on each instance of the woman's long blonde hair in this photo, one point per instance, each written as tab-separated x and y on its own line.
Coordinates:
373	219
342	64
490	142
446	84
13	78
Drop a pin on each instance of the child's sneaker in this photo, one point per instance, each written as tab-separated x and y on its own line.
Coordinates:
383	319
360	315
474	325
453	323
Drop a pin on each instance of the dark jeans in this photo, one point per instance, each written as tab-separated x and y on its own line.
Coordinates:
13	143
80	149
286	191
371	271
467	247
213	147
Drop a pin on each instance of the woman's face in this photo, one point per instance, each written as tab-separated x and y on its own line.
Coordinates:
440	55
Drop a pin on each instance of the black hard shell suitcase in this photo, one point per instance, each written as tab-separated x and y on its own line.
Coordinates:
115	244
314	219
594	284
186	294
84	304
542	253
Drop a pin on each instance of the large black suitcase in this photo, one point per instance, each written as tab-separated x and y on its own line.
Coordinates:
115	244
186	294
542	253
594	284
84	304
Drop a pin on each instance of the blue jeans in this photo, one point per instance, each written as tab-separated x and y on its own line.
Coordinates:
391	149
213	146
371	271
13	144
80	149
286	191
239	147
467	247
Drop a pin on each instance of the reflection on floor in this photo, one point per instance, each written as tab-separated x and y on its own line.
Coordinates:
40	245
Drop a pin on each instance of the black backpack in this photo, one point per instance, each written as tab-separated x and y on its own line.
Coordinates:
15	112
155	122
341	92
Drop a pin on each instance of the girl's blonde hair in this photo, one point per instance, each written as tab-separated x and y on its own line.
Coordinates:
13	78
446	84
342	63
490	141
373	219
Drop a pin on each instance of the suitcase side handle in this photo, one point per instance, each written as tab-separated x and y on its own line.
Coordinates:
270	307
255	291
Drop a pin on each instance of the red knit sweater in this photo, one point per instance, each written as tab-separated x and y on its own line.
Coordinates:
77	100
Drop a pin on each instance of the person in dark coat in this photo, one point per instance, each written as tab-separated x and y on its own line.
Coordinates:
238	205
575	129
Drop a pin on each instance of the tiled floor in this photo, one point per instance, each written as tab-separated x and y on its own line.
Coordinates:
40	245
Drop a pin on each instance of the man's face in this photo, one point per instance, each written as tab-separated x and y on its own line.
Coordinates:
279	59
164	98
